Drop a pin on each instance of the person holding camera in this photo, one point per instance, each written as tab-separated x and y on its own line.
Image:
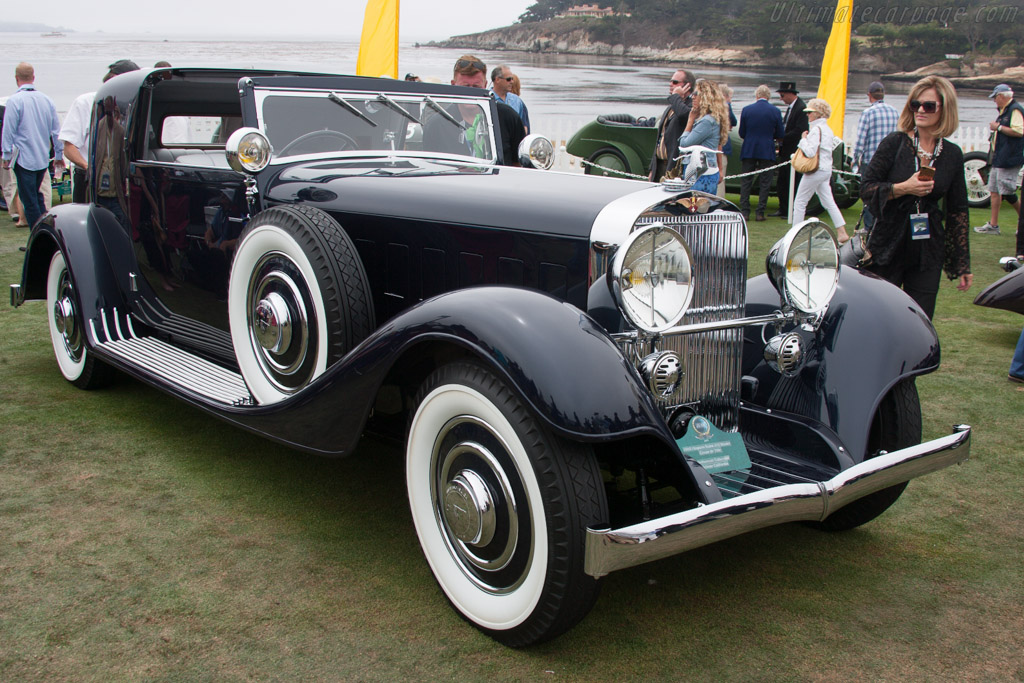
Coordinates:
912	171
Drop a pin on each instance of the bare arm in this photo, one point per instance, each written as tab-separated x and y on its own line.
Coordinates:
72	153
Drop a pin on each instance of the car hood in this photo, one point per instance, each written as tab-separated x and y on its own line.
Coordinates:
450	192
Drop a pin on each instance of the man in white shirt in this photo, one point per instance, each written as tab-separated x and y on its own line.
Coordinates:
74	132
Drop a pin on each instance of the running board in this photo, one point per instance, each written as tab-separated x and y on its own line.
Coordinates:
158	359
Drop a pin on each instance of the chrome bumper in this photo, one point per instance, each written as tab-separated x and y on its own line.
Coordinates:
611	549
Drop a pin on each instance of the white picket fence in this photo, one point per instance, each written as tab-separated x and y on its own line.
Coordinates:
559	131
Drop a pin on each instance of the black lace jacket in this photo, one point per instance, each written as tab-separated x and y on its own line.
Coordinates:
894	162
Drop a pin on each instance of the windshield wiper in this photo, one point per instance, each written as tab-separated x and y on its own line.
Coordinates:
333	97
397	107
444	112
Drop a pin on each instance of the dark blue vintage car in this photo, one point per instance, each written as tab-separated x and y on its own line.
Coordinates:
583	376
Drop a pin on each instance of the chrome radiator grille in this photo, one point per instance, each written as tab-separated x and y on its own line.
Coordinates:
712	361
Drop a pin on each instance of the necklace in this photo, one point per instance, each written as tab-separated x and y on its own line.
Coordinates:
930	156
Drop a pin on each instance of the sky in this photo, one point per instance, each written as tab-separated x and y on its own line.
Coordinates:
418	19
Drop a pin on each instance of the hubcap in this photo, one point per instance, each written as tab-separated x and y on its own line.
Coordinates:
282	322
468	509
481	506
65	318
272	323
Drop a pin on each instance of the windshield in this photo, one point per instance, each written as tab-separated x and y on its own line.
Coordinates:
318	122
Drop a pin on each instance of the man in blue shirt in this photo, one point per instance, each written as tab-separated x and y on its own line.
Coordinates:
30	127
877	121
501	86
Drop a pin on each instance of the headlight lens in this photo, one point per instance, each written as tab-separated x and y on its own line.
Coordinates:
652	278
248	150
536	151
804	266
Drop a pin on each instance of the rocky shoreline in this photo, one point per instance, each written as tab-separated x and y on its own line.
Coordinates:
551	37
981	75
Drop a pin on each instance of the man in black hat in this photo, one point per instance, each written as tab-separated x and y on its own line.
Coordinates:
795	123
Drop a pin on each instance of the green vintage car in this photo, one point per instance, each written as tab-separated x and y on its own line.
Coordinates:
621	146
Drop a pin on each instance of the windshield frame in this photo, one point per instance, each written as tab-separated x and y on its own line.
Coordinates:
413	102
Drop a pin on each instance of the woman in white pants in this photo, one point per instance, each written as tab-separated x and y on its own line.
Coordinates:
819	139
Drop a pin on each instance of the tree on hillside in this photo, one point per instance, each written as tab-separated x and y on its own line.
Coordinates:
543	10
901	31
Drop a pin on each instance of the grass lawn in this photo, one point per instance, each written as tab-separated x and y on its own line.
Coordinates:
143	539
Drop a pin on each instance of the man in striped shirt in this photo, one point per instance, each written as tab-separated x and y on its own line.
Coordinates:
877	121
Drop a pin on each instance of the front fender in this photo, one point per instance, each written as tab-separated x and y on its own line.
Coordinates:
872	336
561	362
87	236
1006	293
557	359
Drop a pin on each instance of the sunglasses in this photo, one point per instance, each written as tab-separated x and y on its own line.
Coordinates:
926	107
509	78
470	64
675	82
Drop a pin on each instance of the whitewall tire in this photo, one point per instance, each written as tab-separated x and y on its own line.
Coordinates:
298	300
506	549
67	329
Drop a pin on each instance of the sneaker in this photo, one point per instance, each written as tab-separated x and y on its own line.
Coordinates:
1015	378
987	229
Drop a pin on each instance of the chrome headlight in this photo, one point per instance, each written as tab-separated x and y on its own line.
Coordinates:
536	151
804	266
248	150
652	278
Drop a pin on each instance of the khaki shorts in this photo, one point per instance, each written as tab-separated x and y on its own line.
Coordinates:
1003	180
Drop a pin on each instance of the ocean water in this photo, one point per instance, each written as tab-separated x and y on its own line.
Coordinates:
562	91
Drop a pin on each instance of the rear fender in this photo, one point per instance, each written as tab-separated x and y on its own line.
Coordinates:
635	143
872	336
89	237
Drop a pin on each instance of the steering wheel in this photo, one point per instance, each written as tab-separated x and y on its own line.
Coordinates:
347	141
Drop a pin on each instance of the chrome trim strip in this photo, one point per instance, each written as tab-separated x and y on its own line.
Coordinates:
610	549
117	325
715	325
106	328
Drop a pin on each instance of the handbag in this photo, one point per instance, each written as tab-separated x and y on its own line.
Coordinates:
803	163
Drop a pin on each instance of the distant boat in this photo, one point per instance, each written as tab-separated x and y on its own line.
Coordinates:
53	34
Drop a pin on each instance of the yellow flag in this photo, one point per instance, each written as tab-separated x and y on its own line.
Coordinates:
835	66
378	48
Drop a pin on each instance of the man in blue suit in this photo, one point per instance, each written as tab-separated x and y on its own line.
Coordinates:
760	127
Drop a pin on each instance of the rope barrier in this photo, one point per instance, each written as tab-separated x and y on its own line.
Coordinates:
633	176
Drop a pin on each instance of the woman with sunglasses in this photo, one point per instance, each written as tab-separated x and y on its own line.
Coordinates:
915	236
